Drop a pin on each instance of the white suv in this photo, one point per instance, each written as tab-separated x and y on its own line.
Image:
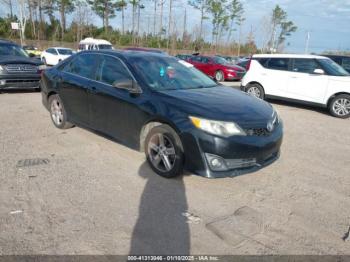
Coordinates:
310	79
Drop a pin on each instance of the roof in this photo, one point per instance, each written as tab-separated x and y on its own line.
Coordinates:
58	47
91	40
288	56
5	41
125	53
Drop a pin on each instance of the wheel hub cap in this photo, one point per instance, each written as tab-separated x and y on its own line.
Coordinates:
56	112
254	91
342	107
161	152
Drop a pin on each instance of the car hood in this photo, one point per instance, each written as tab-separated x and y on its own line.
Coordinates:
220	103
19	60
235	67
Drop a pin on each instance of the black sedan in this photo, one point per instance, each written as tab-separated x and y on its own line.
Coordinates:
17	69
165	107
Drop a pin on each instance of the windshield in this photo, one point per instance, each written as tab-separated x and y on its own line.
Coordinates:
220	60
65	51
12	50
167	73
332	68
104	47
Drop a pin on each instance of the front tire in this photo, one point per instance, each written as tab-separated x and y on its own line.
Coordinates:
255	90
58	113
340	106
164	151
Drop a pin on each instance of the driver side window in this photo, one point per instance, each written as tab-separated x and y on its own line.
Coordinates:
112	70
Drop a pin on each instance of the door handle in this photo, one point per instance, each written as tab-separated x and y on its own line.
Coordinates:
92	90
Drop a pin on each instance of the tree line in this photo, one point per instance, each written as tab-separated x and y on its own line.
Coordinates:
47	20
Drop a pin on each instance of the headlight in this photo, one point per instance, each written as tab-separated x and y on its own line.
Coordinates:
220	128
42	67
230	70
1	68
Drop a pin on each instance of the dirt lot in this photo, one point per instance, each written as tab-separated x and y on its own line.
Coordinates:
89	195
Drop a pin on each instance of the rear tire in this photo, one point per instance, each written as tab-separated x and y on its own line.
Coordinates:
255	90
164	151
58	113
340	106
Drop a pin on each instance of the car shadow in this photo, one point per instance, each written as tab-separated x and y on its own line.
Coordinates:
161	227
317	109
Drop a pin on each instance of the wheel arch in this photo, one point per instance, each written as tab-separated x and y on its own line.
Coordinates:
147	127
334	95
254	82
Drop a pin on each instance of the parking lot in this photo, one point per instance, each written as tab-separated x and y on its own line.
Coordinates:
74	192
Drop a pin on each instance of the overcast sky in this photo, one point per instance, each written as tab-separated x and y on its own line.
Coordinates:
327	20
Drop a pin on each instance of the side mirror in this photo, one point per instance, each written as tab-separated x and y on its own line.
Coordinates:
128	84
319	71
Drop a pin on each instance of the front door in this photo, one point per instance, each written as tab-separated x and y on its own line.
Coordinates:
304	84
113	110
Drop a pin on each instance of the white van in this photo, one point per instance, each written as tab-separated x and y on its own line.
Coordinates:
94	44
309	79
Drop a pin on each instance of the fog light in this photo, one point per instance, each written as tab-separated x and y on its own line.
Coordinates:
2	82
216	163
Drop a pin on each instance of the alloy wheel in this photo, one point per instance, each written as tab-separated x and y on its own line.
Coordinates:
341	107
56	112
254	91
161	152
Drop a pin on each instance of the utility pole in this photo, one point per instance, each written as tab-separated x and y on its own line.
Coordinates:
170	20
307	42
161	18
185	25
155	17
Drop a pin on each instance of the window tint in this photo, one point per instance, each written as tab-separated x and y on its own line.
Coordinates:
205	60
111	70
278	63
305	66
82	65
346	63
196	59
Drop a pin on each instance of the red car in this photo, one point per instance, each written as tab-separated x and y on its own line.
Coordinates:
217	67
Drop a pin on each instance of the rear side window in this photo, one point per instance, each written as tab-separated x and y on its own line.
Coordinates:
277	63
346	63
305	66
112	70
82	65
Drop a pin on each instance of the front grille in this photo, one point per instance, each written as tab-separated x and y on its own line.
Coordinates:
14	81
262	131
21	68
257	132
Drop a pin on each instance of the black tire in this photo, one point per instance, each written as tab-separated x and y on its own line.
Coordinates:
54	100
335	106
219	76
255	90
170	138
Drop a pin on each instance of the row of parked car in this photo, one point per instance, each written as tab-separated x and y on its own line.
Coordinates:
166	107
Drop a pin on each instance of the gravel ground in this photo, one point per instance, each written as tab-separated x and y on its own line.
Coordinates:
85	194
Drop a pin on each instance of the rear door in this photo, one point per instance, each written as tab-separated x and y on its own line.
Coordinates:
304	84
75	83
274	76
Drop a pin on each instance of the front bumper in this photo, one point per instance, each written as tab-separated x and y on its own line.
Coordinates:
263	149
17	81
234	75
